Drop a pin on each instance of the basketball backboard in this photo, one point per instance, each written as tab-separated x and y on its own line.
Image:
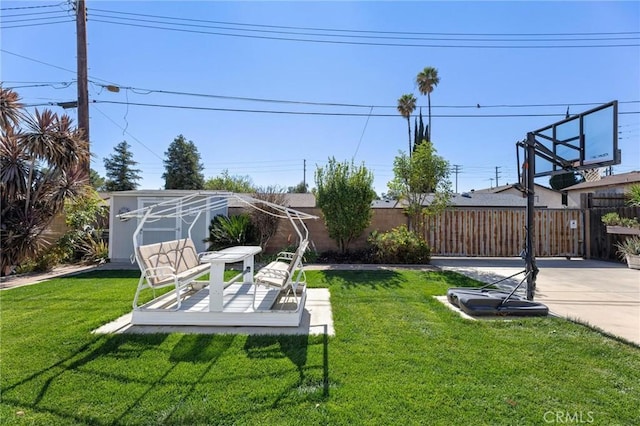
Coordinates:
584	141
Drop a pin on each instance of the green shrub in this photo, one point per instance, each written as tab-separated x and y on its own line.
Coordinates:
85	217
399	246
95	251
614	219
231	231
44	261
26	267
349	256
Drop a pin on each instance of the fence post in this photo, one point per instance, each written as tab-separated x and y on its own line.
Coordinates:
586	232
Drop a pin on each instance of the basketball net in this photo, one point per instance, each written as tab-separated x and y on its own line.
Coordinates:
591	175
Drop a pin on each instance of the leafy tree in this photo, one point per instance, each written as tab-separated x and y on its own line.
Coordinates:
301	188
41	166
421	178
427	80
565	180
226	182
96	181
406	106
344	193
121	176
265	224
183	169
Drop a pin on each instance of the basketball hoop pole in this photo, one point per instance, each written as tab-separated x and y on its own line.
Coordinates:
530	256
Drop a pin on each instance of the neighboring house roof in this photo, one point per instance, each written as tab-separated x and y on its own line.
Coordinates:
386	204
293	200
502	188
621	179
483	199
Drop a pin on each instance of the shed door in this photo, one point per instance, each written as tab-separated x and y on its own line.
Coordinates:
157	231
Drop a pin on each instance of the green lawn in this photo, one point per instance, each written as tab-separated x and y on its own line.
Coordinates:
398	357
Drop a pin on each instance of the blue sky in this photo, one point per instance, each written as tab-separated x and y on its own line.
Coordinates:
271	147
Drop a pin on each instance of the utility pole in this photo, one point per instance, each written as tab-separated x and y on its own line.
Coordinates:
304	175
491	183
497	184
457	168
83	90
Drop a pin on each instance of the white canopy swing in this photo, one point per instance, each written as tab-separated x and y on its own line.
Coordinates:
246	299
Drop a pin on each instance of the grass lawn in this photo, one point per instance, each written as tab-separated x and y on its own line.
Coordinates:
398	357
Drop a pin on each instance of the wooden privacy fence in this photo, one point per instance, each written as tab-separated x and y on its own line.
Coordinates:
501	232
601	244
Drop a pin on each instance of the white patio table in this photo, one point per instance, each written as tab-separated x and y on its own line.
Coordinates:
218	260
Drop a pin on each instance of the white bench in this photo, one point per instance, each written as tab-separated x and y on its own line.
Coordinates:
285	273
171	263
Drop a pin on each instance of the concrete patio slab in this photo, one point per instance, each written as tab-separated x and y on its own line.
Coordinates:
317	319
604	295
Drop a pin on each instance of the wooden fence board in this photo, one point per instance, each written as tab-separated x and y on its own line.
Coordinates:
501	232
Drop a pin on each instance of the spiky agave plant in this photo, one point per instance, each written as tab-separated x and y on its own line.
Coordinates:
633	195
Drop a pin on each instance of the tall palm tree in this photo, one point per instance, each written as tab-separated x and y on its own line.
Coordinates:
406	106
427	80
40	167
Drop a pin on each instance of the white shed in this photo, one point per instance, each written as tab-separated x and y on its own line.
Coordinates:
121	232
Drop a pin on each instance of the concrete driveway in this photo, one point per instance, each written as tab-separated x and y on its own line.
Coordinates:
605	295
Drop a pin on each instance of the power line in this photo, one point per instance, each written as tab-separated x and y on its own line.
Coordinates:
4	15
362	135
284	101
361	43
366	31
42	18
32	7
4	27
359	36
38	61
52	85
49	65
127	132
353	105
330	113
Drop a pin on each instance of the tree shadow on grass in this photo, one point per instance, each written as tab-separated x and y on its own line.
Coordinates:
203	349
378	279
104	273
295	348
87	353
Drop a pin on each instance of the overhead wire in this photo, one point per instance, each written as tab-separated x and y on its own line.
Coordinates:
49	64
360	36
52	85
4	27
42	18
335	114
4	15
363	31
124	130
362	135
32	7
362	43
146	91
